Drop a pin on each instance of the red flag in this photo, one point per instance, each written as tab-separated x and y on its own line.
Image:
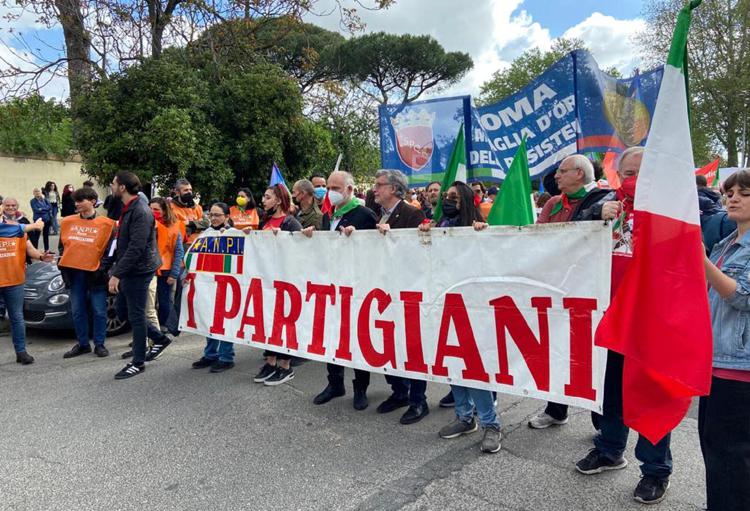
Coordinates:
326	207
659	318
711	171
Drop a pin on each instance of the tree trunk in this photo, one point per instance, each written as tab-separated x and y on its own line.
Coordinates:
732	137
77	47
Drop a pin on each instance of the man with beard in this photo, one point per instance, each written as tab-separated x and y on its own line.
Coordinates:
136	261
188	213
433	196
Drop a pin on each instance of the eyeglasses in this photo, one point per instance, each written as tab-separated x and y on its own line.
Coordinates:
450	196
216	215
561	170
380	185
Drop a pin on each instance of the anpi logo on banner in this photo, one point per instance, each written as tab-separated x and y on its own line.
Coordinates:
216	254
414	140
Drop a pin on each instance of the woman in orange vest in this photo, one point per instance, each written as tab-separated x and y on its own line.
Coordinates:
14	247
245	213
169	241
85	240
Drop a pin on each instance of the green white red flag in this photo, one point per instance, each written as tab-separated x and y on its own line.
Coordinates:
659	318
711	171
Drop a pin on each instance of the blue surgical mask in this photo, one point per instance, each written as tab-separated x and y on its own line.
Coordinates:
320	192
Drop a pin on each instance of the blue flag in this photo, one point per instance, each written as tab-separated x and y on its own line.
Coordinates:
276	177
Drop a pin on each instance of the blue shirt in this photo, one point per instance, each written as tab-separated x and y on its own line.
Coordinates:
730	317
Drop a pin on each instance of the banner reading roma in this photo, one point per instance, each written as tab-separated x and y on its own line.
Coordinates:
508	309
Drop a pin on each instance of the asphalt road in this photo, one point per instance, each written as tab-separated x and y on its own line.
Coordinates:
73	438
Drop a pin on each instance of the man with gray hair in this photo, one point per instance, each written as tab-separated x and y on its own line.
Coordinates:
391	186
578	190
308	212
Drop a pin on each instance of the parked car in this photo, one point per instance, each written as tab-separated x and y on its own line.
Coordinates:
46	303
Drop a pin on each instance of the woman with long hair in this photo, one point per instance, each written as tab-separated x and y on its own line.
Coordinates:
68	204
277	204
459	210
245	213
169	240
53	197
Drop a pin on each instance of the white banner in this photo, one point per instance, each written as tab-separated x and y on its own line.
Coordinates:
507	309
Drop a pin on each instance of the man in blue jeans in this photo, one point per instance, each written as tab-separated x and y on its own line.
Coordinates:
136	261
14	247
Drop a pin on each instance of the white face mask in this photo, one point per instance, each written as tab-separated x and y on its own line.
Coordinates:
336	198
414	197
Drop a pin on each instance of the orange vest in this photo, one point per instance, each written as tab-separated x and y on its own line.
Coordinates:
166	239
84	241
244	219
185	216
484	209
12	261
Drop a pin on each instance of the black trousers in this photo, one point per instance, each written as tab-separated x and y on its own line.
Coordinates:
34	236
336	377
279	356
724	429
405	388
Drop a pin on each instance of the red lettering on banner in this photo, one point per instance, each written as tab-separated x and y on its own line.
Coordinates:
535	353
285	322
581	347
221	312
190	283
321	293
254	298
370	354
413	332
344	350
454	311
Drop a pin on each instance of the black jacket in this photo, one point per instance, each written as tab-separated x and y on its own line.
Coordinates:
405	216
136	252
360	217
590	208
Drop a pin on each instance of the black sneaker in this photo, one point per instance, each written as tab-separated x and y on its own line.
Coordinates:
203	362
77	350
24	358
360	400
265	373
100	351
219	367
448	401
129	371
127	354
651	490
280	376
595	463
157	349
392	403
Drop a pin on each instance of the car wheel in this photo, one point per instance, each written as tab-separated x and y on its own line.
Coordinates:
115	326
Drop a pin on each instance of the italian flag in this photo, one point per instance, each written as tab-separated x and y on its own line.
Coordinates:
659	318
214	263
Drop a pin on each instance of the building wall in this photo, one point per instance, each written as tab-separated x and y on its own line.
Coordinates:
19	176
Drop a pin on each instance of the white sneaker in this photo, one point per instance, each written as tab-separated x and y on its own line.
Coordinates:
543	421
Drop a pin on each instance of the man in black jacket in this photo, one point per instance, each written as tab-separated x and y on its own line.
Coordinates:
348	215
136	261
391	186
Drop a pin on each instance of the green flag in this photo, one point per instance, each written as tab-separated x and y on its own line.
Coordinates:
512	205
456	163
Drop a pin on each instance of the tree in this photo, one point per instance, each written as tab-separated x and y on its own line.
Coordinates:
526	68
399	67
33	126
719	70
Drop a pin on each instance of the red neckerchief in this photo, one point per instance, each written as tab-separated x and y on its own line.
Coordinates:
125	208
626	195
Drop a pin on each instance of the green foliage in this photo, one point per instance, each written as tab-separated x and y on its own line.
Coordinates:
33	126
400	67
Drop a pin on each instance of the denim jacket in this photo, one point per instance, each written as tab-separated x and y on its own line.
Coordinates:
730	317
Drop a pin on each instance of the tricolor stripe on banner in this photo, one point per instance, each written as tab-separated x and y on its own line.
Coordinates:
659	319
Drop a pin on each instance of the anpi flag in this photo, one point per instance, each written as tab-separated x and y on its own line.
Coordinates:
659	318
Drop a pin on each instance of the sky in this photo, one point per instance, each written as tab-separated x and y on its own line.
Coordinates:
492	32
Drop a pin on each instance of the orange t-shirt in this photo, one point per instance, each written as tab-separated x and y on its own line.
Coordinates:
84	241
244	219
166	240
185	216
12	261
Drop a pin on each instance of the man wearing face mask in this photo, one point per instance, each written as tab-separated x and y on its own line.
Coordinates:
308	213
347	216
188	213
319	185
610	444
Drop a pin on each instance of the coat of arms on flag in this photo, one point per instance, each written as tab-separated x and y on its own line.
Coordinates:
216	254
414	138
